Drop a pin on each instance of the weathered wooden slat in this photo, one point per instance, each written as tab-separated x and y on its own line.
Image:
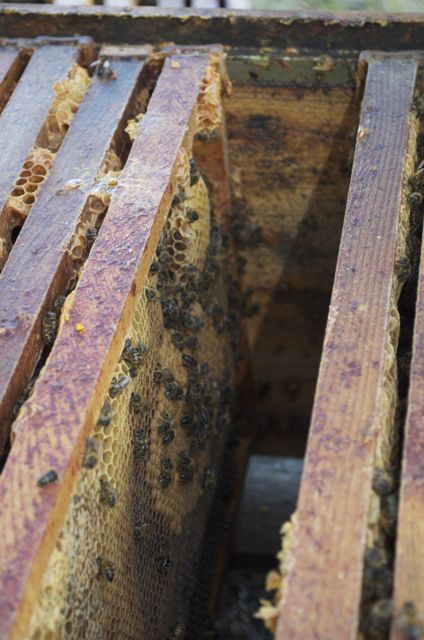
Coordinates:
12	63
52	433
41	247
353	30
409	563
23	117
326	558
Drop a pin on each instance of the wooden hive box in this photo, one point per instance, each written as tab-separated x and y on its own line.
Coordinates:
209	221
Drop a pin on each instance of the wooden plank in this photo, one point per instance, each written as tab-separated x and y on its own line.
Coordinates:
327	554
353	30
105	299
409	562
23	117
12	63
262	508
48	231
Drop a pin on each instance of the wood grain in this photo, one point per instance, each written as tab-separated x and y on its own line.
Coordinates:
409	563
327	557
23	117
12	63
41	247
351	30
53	431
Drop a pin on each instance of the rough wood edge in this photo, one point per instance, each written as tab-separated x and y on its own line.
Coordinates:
324	563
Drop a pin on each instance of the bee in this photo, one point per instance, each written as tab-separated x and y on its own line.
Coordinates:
177	633
91	455
209	480
141	446
173	392
179	197
163	558
188	361
403	269
59	302
158	375
415	199
106	414
207	136
49	327
177	339
91	235
107	494
164	423
154	267
191	215
383	483
103	69
380	618
194	172
150	294
140	529
135	402
388	514
409	622
418	104
169	436
105	569
165	477
133	356
118	385
191	342
185	466
47	478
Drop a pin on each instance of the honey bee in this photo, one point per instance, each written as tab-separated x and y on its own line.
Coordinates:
135	402
106	414
415	199
91	235
91	455
418	104
388	514
107	494
191	215
169	436
383	482
185	466
179	197
188	361
47	478
154	267
133	356
209	480
173	392
409	622
194	172
49	327
380	618
140	530
403	269
59	302
118	385
141	446
103	69
150	294
105	569
165	477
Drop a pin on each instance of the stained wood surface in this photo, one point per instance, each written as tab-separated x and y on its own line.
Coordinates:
409	563
327	562
53	431
348	30
24	115
39	266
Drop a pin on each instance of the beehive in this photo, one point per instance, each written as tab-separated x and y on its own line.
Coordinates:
168	247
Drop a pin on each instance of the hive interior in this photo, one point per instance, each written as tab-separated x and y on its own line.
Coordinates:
130	552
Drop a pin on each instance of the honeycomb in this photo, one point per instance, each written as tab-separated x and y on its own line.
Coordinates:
68	95
128	555
24	193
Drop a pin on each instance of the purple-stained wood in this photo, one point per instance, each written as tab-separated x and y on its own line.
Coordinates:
23	116
409	562
39	266
323	587
51	434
